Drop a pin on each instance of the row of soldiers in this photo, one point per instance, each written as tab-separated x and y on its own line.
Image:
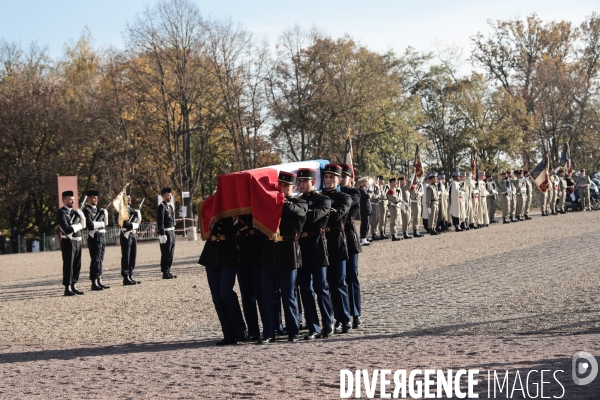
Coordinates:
468	201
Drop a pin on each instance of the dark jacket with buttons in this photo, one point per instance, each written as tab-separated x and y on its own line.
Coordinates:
336	237
313	245
284	254
165	217
352	237
64	221
220	249
250	242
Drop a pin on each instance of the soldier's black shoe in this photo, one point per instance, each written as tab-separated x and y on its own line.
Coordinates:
280	332
168	275
383	236
554	213
68	292
347	328
312	336
95	285
266	340
293	339
356	322
527	217
417	234
226	342
407	236
337	325
127	281
375	237
433	233
395	238
457	228
75	290
327	331
101	284
136	282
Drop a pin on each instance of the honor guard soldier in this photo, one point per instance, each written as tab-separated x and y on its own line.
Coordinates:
375	201
383	207
424	207
394	198
70	222
562	190
313	247
96	220
354	245
280	261
432	202
365	209
472	201
454	194
250	242
512	205
582	182
482	215
505	196
492	191
165	224
416	194
337	247
521	194
220	258
128	241
442	204
528	193
553	192
404	207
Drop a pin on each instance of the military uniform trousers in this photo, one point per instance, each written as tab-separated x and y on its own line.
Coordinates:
584	196
406	217
484	217
474	212
433	217
353	285
364	225
166	252
552	203
316	278
382	220
415	209
71	255
527	205
374	218
336	278
491	206
562	198
275	284
249	280
128	253
543	202
221	282
506	201
393	220
97	247
520	205
513	205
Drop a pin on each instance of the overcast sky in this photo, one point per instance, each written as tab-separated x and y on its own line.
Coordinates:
379	24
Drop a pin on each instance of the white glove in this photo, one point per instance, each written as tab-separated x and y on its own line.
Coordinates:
494	191
105	218
81	218
99	224
135	225
162	239
139	216
429	210
76	227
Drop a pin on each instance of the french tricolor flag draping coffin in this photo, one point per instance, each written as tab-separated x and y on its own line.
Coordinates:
251	192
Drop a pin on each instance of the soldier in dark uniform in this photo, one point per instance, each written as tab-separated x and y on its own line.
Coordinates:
313	247
337	247
250	242
71	223
280	260
220	257
354	245
96	221
128	241
165	224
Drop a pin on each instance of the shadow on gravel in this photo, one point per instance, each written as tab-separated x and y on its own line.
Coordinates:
70	354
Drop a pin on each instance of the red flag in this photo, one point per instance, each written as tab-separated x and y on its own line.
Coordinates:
418	166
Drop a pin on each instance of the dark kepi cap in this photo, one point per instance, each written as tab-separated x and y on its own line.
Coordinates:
165	190
347	169
307	173
392	179
67	193
380	177
526	172
432	175
455	173
91	193
401	178
287	177
333	169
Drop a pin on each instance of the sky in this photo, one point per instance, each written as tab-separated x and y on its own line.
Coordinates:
380	25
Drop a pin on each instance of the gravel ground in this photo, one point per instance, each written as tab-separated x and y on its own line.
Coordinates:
506	297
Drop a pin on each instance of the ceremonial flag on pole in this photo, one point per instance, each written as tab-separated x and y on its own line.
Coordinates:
540	175
120	205
418	166
565	159
474	165
348	151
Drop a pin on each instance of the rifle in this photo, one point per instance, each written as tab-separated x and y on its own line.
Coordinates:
75	217
132	219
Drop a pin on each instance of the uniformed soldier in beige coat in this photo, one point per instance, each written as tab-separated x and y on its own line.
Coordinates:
432	201
562	190
492	192
505	197
416	194
529	193
394	198
406	209
375	201
443	203
553	192
473	195
383	207
520	194
465	201
483	219
512	205
454	202
582	182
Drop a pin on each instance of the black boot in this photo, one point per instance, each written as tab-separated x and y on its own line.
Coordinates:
133	280
527	217
168	275
457	228
374	237
407	236
127	281
506	221
68	291
417	234
75	290
95	285
383	235
101	284
395	238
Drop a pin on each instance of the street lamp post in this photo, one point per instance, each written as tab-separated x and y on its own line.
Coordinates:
187	161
